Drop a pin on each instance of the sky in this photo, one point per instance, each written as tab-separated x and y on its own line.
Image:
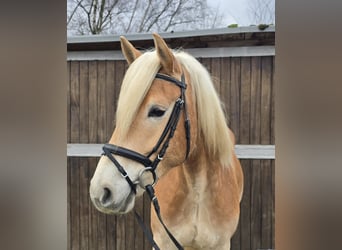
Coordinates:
235	11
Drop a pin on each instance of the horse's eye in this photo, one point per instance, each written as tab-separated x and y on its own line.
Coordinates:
156	112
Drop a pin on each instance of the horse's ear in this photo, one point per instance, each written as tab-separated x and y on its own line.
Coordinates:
167	59
128	50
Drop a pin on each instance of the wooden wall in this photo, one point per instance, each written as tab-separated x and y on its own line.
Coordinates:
246	87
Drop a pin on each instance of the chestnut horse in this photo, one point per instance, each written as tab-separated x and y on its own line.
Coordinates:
200	180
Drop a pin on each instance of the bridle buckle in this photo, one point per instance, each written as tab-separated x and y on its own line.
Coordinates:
141	172
180	101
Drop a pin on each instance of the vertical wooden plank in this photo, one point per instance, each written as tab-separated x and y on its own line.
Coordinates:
120	220
215	73
235	240
273	204
129	234
84	102
94	214
83	162
266	100
272	161
84	203
255	138
93	102
120	232
240	86
244	139
110	114
235	97
74	204
68	205
255	100
92	138
74	102
74	162
101	137
273	101
110	95
120	69
256	205
266	204
111	232
245	216
245	104
68	101
101	102
101	231
225	86
68	161
245	89
266	177
206	62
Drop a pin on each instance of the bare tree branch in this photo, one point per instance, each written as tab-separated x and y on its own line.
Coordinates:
173	15
110	10
146	12
261	11
132	16
119	16
93	9
100	18
159	15
73	12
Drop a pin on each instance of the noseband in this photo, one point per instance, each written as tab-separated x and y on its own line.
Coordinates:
160	148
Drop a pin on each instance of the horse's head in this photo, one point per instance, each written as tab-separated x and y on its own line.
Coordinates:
145	105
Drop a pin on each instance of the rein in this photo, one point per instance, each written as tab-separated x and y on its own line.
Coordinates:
160	148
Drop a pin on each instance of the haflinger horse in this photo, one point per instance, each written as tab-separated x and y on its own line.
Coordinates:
170	126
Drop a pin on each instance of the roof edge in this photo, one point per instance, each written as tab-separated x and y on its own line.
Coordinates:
166	35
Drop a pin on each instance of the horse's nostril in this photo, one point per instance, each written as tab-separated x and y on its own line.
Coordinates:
106	196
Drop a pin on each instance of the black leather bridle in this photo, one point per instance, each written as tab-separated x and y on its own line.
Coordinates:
160	148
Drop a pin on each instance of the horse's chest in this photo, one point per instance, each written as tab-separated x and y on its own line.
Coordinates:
197	228
196	217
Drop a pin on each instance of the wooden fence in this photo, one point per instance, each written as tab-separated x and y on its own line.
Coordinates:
244	77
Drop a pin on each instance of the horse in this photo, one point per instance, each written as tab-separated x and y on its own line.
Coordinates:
195	172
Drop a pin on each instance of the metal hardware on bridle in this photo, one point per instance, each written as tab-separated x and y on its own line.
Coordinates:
142	171
160	148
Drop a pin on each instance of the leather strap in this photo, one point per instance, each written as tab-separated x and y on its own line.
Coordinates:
120	168
180	84
175	112
154	200
146	231
133	155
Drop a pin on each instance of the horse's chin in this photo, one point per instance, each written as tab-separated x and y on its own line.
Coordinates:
117	208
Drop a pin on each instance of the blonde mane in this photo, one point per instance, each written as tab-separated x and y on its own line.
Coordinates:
135	85
211	119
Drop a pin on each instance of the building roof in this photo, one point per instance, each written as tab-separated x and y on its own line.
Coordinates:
223	37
